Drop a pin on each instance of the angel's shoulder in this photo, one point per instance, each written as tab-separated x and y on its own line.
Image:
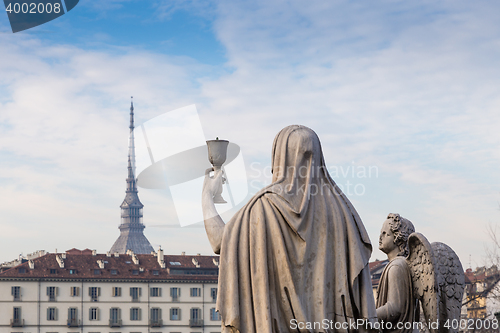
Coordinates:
397	265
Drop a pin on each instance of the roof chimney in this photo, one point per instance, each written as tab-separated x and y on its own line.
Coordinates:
100	263
31	264
60	261
161	261
195	262
94	252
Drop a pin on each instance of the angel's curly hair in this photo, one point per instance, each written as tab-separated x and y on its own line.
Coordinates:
401	228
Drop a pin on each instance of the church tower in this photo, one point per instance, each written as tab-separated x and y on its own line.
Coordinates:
131	227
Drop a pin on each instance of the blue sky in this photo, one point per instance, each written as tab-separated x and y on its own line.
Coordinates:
408	87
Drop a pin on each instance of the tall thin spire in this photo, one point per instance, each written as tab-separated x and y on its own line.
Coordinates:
131	228
131	144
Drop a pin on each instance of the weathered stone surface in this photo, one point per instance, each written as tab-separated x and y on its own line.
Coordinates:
297	251
429	273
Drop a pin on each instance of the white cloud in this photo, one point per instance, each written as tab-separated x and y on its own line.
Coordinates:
64	137
409	93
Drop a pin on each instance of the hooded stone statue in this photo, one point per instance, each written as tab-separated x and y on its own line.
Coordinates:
297	253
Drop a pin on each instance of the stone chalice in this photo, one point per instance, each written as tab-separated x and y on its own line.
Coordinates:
217	152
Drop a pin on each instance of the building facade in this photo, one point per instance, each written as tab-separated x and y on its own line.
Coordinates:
482	292
82	291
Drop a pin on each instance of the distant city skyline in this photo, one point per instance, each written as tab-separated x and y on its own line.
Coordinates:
406	90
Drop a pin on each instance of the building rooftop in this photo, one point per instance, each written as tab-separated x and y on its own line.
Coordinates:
87	264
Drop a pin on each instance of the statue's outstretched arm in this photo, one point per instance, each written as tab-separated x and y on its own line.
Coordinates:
214	225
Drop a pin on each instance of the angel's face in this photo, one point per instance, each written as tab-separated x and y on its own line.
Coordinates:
386	240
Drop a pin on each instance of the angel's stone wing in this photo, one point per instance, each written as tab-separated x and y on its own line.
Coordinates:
424	276
451	283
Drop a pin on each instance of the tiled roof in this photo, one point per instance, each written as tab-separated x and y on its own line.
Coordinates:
376	264
83	265
474	277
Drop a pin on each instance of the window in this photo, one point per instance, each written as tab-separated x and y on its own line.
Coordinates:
115	316
94	293
175	293
16	292
195	313
135	314
93	314
116	291
72	313
72	317
22	270
155	315
135	293
74	291
114	272
135	272
97	271
195	320
175	314
53	271
213	293
51	314
16	315
195	292
155	272
214	315
72	271
52	293
155	292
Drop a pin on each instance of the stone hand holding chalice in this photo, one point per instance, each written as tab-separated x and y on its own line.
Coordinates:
217	152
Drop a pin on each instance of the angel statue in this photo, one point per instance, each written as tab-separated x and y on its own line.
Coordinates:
418	273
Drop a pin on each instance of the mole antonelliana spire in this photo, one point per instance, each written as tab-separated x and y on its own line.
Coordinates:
131	227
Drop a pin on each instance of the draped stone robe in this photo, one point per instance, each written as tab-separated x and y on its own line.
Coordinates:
297	252
395	299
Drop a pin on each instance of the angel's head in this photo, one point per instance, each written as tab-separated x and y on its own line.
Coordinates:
394	235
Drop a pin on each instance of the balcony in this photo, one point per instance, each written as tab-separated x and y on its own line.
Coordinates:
115	323
175	299
156	323
195	322
16	322
73	322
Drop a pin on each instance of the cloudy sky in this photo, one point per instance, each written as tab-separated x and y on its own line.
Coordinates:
406	89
